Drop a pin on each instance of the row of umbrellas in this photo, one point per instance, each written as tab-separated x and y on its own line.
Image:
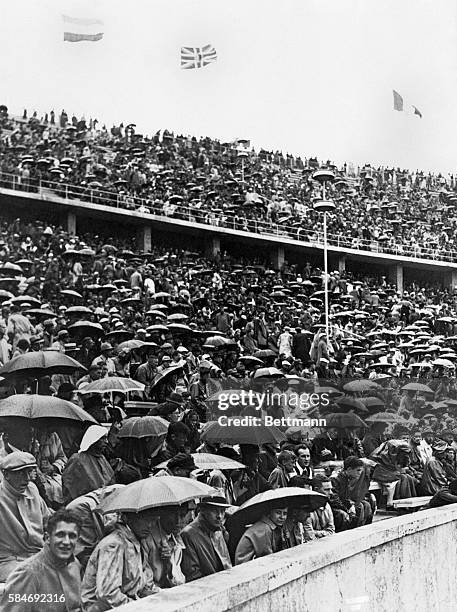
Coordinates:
168	491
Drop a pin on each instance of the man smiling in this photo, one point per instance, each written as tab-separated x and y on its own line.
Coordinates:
50	579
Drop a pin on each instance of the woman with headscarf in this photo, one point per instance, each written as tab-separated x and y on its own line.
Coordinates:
435	477
392	457
88	469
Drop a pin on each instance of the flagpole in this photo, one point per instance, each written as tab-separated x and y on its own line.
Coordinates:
325	205
326	277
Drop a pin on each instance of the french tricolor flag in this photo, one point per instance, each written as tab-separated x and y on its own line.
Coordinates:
79	29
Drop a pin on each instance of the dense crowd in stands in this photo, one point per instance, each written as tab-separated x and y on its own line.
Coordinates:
185	332
229	184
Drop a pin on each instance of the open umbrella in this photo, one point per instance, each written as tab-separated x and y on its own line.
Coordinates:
264	353
40	363
289	497
113	384
233	434
26	299
208	461
42	407
78	311
218	342
131	345
385	417
155	493
343	420
372	402
86	328
351	403
268	373
413	386
360	386
40	312
144	427
71	294
161	376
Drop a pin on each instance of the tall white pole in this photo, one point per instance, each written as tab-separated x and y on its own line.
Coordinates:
326	281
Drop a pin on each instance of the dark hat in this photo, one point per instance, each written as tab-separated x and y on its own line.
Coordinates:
214	500
175	398
183	461
19	460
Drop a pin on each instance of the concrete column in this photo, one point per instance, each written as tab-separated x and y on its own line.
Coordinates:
71	223
277	258
452	282
396	276
144	238
341	263
213	247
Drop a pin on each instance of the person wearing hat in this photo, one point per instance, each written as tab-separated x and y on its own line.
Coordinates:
105	360
48	333
176	442
118	571
62	339
53	570
199	388
206	551
86	353
170	409
88	469
23	512
147	372
434	476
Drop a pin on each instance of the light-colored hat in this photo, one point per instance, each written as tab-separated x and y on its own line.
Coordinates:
93	434
18	460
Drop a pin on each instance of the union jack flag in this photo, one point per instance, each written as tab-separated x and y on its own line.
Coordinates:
197	57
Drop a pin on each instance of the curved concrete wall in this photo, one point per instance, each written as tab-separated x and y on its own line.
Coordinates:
403	564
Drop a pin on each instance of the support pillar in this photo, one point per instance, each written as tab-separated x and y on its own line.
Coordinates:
213	247
452	282
71	223
396	276
144	239
277	258
341	264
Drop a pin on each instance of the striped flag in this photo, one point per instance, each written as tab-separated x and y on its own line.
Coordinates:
79	29
197	57
400	106
398	101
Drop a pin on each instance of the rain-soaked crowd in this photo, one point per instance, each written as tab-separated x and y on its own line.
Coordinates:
118	477
228	184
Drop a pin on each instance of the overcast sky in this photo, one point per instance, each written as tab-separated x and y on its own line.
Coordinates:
310	77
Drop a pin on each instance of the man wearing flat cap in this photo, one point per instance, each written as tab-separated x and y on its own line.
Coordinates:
22	510
205	549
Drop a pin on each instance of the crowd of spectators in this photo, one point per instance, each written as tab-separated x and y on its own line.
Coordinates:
189	331
229	184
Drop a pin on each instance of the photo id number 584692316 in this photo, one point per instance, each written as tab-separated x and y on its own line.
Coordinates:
36	597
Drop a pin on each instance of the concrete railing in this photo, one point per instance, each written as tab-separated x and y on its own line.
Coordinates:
406	563
67	193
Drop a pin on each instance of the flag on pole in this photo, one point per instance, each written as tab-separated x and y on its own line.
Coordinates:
80	29
197	57
400	106
398	101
